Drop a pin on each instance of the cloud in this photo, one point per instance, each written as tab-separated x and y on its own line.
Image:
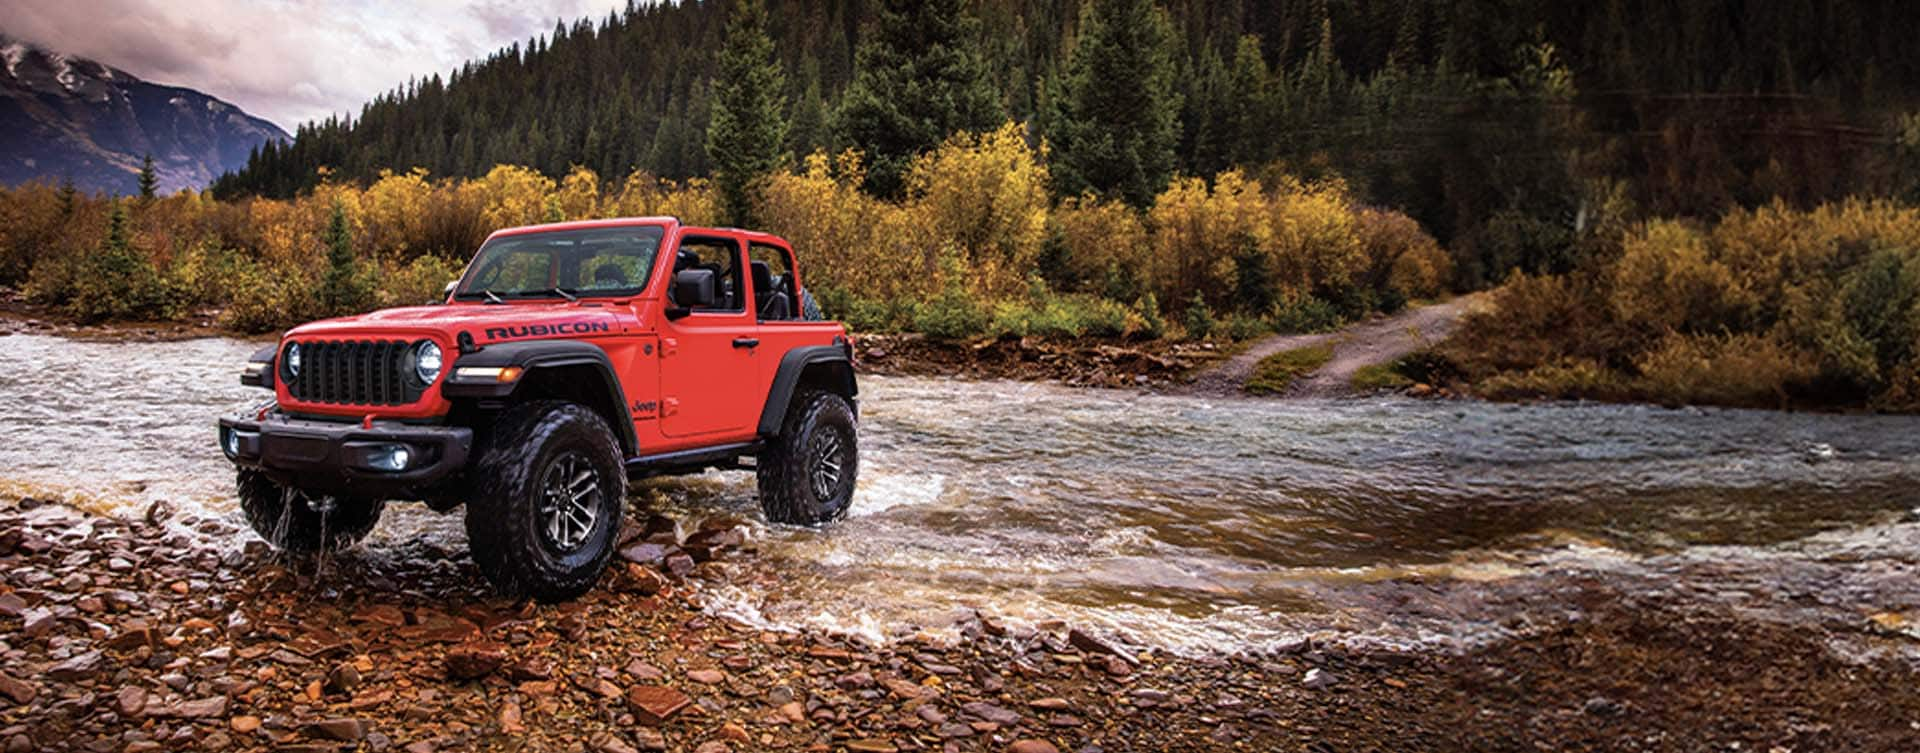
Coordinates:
289	61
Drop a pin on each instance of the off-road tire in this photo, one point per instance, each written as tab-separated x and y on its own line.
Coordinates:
288	520
790	490
510	528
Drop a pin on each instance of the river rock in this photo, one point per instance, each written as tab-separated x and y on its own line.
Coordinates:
680	564
344	730
472	661
642	580
707	676
130	701
1087	642
196	709
19	691
1032	746
655	704
78	667
991	713
645	552
343	679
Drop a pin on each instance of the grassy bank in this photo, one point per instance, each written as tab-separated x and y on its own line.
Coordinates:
977	247
1773	307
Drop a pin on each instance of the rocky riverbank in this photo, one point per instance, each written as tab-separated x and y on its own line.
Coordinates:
151	634
1082	363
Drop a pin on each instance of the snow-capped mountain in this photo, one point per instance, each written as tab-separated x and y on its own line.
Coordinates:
67	117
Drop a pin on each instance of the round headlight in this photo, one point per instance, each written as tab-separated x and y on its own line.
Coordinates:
426	362
293	360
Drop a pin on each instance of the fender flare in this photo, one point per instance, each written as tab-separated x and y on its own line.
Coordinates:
787	379
533	355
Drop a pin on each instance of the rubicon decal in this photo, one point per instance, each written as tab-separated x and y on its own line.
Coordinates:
543	330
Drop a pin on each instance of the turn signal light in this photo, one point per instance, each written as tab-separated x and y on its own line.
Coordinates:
502	374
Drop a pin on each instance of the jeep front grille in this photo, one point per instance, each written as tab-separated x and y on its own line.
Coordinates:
355	372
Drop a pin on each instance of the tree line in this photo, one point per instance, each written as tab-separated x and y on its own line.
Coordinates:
1501	125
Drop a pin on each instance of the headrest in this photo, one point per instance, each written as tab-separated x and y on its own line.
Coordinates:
762	277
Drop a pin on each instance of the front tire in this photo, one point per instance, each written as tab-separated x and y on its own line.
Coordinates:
298	522
807	473
543	521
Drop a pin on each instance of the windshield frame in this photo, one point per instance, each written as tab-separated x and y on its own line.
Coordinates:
466	290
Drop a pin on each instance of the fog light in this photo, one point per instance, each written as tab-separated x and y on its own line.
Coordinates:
232	443
393	457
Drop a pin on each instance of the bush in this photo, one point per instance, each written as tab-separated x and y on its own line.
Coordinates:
1752	370
1764	307
1199	318
117	281
1101	247
1569	378
1296	313
420	282
1241	327
1152	324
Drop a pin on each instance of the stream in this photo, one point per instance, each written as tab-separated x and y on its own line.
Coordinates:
1192	524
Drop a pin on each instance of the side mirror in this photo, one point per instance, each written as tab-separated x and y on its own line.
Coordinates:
693	288
446	294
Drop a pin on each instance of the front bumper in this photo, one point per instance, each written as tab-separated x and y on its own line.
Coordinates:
342	458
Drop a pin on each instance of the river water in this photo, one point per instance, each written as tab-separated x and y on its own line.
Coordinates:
1181	522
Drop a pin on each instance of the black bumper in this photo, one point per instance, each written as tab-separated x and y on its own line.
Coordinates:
337	457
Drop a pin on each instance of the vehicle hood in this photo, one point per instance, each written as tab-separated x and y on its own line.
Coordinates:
514	321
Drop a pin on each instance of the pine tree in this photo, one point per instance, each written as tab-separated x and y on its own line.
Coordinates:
1119	122
917	80
1248	136
149	181
809	130
117	280
67	195
343	290
748	123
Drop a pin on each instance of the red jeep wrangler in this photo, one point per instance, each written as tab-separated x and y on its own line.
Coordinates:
568	359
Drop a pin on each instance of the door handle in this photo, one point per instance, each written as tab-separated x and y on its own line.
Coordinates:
746	342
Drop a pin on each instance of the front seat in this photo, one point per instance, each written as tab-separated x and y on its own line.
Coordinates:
769	299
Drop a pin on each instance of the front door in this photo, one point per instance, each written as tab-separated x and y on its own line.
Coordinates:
708	358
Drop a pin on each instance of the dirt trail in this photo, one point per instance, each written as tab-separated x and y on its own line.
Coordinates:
1358	345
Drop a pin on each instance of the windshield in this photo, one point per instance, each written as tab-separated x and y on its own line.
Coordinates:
597	261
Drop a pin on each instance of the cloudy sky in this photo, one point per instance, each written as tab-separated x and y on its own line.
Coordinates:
288	61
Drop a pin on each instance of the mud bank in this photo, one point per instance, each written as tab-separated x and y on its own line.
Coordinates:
140	635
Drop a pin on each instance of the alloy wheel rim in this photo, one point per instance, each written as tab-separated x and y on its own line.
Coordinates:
569	501
824	452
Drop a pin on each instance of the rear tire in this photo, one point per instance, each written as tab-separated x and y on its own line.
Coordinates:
807	473
297	522
552	488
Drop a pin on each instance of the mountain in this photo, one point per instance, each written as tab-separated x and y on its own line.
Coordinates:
65	117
